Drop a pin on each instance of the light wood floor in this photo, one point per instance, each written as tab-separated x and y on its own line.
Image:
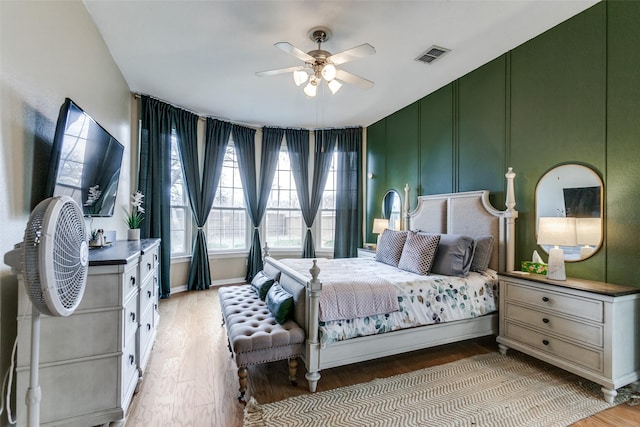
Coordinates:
191	379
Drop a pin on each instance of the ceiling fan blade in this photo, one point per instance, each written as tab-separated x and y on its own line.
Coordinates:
279	71
352	54
292	50
347	77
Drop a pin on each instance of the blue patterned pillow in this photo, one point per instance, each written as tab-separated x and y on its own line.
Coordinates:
390	247
280	303
262	283
418	252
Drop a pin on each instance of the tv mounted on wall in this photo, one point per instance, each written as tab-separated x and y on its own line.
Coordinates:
85	162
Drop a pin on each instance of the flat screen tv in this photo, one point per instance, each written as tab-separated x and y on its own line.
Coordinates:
85	162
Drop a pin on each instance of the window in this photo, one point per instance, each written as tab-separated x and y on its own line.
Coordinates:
227	222
328	207
180	210
283	221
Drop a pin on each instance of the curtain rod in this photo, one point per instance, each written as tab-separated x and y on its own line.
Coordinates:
251	125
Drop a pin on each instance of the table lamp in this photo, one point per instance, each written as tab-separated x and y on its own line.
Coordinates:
557	232
587	234
379	225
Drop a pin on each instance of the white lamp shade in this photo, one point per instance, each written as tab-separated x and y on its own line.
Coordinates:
334	86
329	72
299	77
379	225
557	231
588	231
311	89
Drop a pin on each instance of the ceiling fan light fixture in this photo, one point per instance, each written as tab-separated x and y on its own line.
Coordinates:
329	72
299	77
311	89
334	86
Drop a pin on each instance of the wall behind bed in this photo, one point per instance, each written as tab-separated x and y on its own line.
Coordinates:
570	95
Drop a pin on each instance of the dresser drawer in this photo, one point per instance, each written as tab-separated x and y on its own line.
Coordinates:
130	318
578	355
148	263
571	304
588	333
147	293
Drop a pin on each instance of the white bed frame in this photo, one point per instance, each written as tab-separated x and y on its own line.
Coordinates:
467	213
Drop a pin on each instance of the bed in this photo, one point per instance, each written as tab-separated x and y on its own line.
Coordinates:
466	213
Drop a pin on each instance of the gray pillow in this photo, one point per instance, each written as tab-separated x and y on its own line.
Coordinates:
482	254
454	255
390	247
418	252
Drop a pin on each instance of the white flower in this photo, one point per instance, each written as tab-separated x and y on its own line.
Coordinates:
136	201
94	195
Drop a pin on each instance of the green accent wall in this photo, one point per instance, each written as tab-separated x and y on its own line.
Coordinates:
570	95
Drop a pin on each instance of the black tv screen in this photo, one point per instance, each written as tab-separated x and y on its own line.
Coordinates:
85	162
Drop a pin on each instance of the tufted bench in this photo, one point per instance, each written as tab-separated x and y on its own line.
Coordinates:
254	335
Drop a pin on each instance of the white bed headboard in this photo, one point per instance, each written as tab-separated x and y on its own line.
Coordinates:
469	213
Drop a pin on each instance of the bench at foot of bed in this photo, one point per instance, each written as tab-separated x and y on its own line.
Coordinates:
254	335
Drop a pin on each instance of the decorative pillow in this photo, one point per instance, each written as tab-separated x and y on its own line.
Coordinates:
454	255
262	283
418	252
482	254
390	247
280	303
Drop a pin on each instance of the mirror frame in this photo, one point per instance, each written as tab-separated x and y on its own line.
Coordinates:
387	215
575	176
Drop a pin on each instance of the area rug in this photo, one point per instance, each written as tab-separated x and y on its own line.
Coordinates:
484	390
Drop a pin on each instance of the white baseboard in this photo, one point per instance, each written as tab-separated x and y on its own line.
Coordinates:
214	283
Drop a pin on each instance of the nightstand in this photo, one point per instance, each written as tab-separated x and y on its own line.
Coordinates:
366	253
586	327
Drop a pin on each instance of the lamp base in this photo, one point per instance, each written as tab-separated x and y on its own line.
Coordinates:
555	267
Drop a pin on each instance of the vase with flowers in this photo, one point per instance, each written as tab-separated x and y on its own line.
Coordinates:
135	216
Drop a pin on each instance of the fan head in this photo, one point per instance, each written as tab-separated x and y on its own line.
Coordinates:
55	256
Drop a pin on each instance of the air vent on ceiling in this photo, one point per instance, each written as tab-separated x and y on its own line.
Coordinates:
433	53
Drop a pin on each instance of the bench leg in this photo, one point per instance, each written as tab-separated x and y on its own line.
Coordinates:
242	379
293	370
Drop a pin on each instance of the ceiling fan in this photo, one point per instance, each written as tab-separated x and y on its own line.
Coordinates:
320	64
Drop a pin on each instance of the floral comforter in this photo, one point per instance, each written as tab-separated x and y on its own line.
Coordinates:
422	300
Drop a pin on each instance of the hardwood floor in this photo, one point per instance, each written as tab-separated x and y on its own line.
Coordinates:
191	379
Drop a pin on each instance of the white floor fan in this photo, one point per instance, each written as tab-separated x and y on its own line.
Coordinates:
53	261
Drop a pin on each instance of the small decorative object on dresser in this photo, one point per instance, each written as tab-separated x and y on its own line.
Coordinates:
586	327
135	217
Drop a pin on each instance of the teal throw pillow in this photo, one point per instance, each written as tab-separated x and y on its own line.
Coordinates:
279	303
262	283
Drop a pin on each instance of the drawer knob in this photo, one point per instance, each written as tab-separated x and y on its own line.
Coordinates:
149	266
148	326
545	342
133	281
545	320
133	316
148	294
545	299
132	359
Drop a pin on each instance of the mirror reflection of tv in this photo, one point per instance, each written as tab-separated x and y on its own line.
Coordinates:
582	202
84	156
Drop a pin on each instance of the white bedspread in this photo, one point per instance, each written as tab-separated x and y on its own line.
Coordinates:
422	300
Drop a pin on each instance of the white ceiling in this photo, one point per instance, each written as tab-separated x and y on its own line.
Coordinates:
203	55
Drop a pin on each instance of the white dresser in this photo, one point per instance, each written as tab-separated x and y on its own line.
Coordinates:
586	327
92	361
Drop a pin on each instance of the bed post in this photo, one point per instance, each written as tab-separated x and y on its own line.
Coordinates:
406	208
313	345
510	215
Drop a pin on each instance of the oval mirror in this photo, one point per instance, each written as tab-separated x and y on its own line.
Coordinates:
391	209
572	191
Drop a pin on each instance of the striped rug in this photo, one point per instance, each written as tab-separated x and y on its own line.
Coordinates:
484	390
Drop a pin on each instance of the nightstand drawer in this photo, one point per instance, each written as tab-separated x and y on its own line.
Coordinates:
570	304
575	354
366	253
578	331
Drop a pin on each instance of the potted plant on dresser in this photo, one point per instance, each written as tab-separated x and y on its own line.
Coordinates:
135	217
